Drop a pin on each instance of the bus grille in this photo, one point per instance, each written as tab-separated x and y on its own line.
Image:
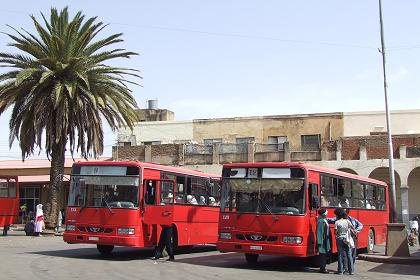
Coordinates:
256	237
93	229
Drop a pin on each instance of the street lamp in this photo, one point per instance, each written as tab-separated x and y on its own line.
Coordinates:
396	241
393	203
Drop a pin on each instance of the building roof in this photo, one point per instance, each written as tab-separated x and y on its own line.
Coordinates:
38	179
40	163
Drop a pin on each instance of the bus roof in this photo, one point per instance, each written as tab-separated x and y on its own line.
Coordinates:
150	166
331	171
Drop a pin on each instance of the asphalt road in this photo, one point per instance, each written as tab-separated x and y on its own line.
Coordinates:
48	257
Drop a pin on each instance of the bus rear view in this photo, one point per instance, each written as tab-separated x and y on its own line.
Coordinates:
264	211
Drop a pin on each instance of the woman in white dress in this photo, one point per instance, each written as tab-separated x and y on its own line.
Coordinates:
39	220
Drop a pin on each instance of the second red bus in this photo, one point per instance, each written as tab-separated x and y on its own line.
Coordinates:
271	208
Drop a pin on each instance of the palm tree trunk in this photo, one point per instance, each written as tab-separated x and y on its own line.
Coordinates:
56	183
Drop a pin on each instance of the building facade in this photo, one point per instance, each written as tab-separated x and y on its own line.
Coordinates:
354	142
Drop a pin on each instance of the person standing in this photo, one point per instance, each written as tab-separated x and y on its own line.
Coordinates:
342	229
39	220
59	222
165	241
323	239
357	227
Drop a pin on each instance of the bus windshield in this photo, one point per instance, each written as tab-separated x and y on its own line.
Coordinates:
271	196
104	191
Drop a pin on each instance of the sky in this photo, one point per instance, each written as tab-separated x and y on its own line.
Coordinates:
227	58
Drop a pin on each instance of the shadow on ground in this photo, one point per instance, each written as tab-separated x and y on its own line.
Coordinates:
265	263
119	253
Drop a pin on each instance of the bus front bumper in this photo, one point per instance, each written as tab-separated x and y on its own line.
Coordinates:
116	240
292	250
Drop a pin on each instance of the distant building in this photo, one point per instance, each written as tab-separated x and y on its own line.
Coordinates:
354	142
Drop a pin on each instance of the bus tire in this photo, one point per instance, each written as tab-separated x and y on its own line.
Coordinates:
370	241
105	250
251	258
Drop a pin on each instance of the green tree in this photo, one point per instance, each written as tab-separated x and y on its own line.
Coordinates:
60	90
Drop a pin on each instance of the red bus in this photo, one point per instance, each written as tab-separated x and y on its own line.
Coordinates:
9	201
125	203
271	208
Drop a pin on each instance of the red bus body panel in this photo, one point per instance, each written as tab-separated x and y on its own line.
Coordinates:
278	225
9	206
196	224
270	228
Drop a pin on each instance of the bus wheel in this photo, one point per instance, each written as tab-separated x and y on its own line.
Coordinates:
105	249
251	258
371	241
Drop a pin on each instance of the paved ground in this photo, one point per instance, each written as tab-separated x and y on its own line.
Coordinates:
48	257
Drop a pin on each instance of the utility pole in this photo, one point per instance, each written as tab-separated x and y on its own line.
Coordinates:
393	204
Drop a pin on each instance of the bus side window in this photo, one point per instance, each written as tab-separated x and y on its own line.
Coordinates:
180	189
12	188
328	191
4	189
166	193
344	193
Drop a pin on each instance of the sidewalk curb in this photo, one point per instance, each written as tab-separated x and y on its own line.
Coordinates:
389	259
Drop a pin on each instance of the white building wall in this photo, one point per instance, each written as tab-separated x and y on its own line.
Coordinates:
363	123
167	132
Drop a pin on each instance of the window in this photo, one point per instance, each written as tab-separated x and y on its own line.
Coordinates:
277	139
151	143
124	144
358	194
199	190
381	197
210	142
179	187
371	197
214	190
245	140
166	192
329	191
8	188
311	142
344	193
4	188
276	143
30	196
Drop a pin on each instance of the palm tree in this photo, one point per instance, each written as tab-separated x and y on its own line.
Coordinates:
60	90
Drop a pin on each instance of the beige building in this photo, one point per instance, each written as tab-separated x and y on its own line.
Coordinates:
354	142
367	123
312	130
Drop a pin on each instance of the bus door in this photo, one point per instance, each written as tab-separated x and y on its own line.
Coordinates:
158	206
313	206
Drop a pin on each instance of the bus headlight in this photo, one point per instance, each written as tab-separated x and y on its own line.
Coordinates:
70	227
225	235
292	239
129	231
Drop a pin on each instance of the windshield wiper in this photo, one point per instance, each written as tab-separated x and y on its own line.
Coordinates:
107	205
